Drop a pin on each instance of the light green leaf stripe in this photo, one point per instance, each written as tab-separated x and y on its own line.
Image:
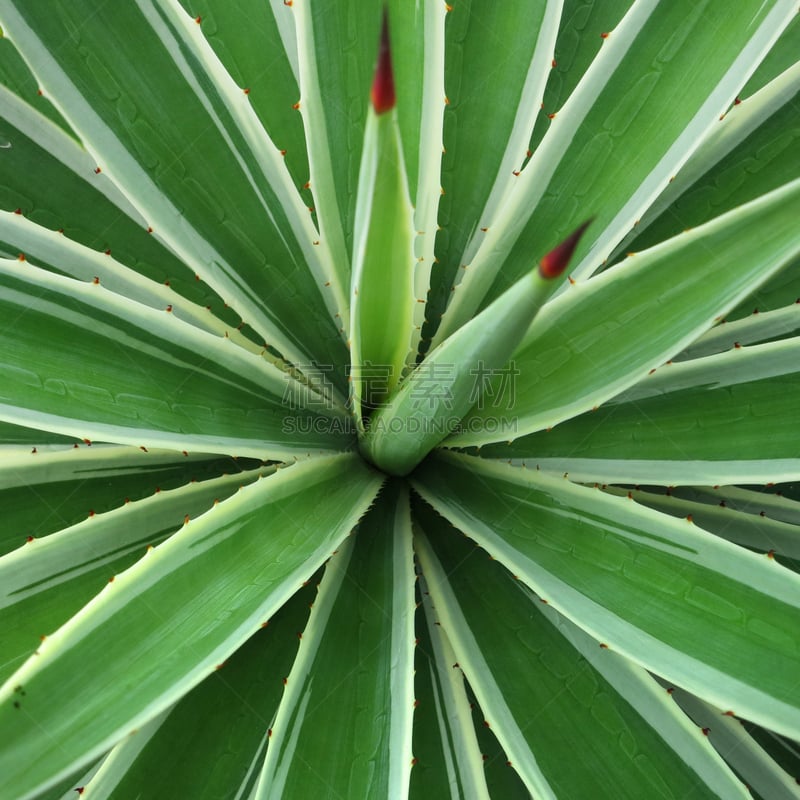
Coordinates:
738	365
334	82
187	605
162	383
41	565
492	78
748	501
474	282
120	759
21	467
41	497
750	530
50	249
644	310
761	773
417	38
47	580
52	138
748	330
286	28
781	56
71	197
626	94
451	762
355	666
255	41
609	719
183	210
765	22
654	705
683	437
580	38
16	77
480	674
672	597
739	124
225	719
183	32
528	106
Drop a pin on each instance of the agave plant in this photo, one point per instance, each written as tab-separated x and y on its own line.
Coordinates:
342	457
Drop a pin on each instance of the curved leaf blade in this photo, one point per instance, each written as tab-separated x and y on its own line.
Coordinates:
706	614
631	741
242	234
211	744
84	361
354	671
187	606
643	311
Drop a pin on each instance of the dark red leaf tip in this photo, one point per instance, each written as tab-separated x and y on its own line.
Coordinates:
556	261
383	96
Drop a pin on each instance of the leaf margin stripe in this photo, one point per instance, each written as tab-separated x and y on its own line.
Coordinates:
476	281
511	166
158	563
488	693
467	777
141	191
652	703
288	721
310	105
319	257
763	774
733	128
618	633
642	264
159	324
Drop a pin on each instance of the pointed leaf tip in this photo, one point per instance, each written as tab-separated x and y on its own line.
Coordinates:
555	262
383	96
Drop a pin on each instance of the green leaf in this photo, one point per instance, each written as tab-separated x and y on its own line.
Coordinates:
643	311
47	178
45	489
531	681
212	743
433	398
246	234
55	252
681	437
382	325
446	752
17	78
494	82
86	362
751	530
335	77
501	778
660	81
752	151
707	615
250	38
417	34
354	671
758	327
47	581
762	504
186	606
782	55
780	291
580	37
762	774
